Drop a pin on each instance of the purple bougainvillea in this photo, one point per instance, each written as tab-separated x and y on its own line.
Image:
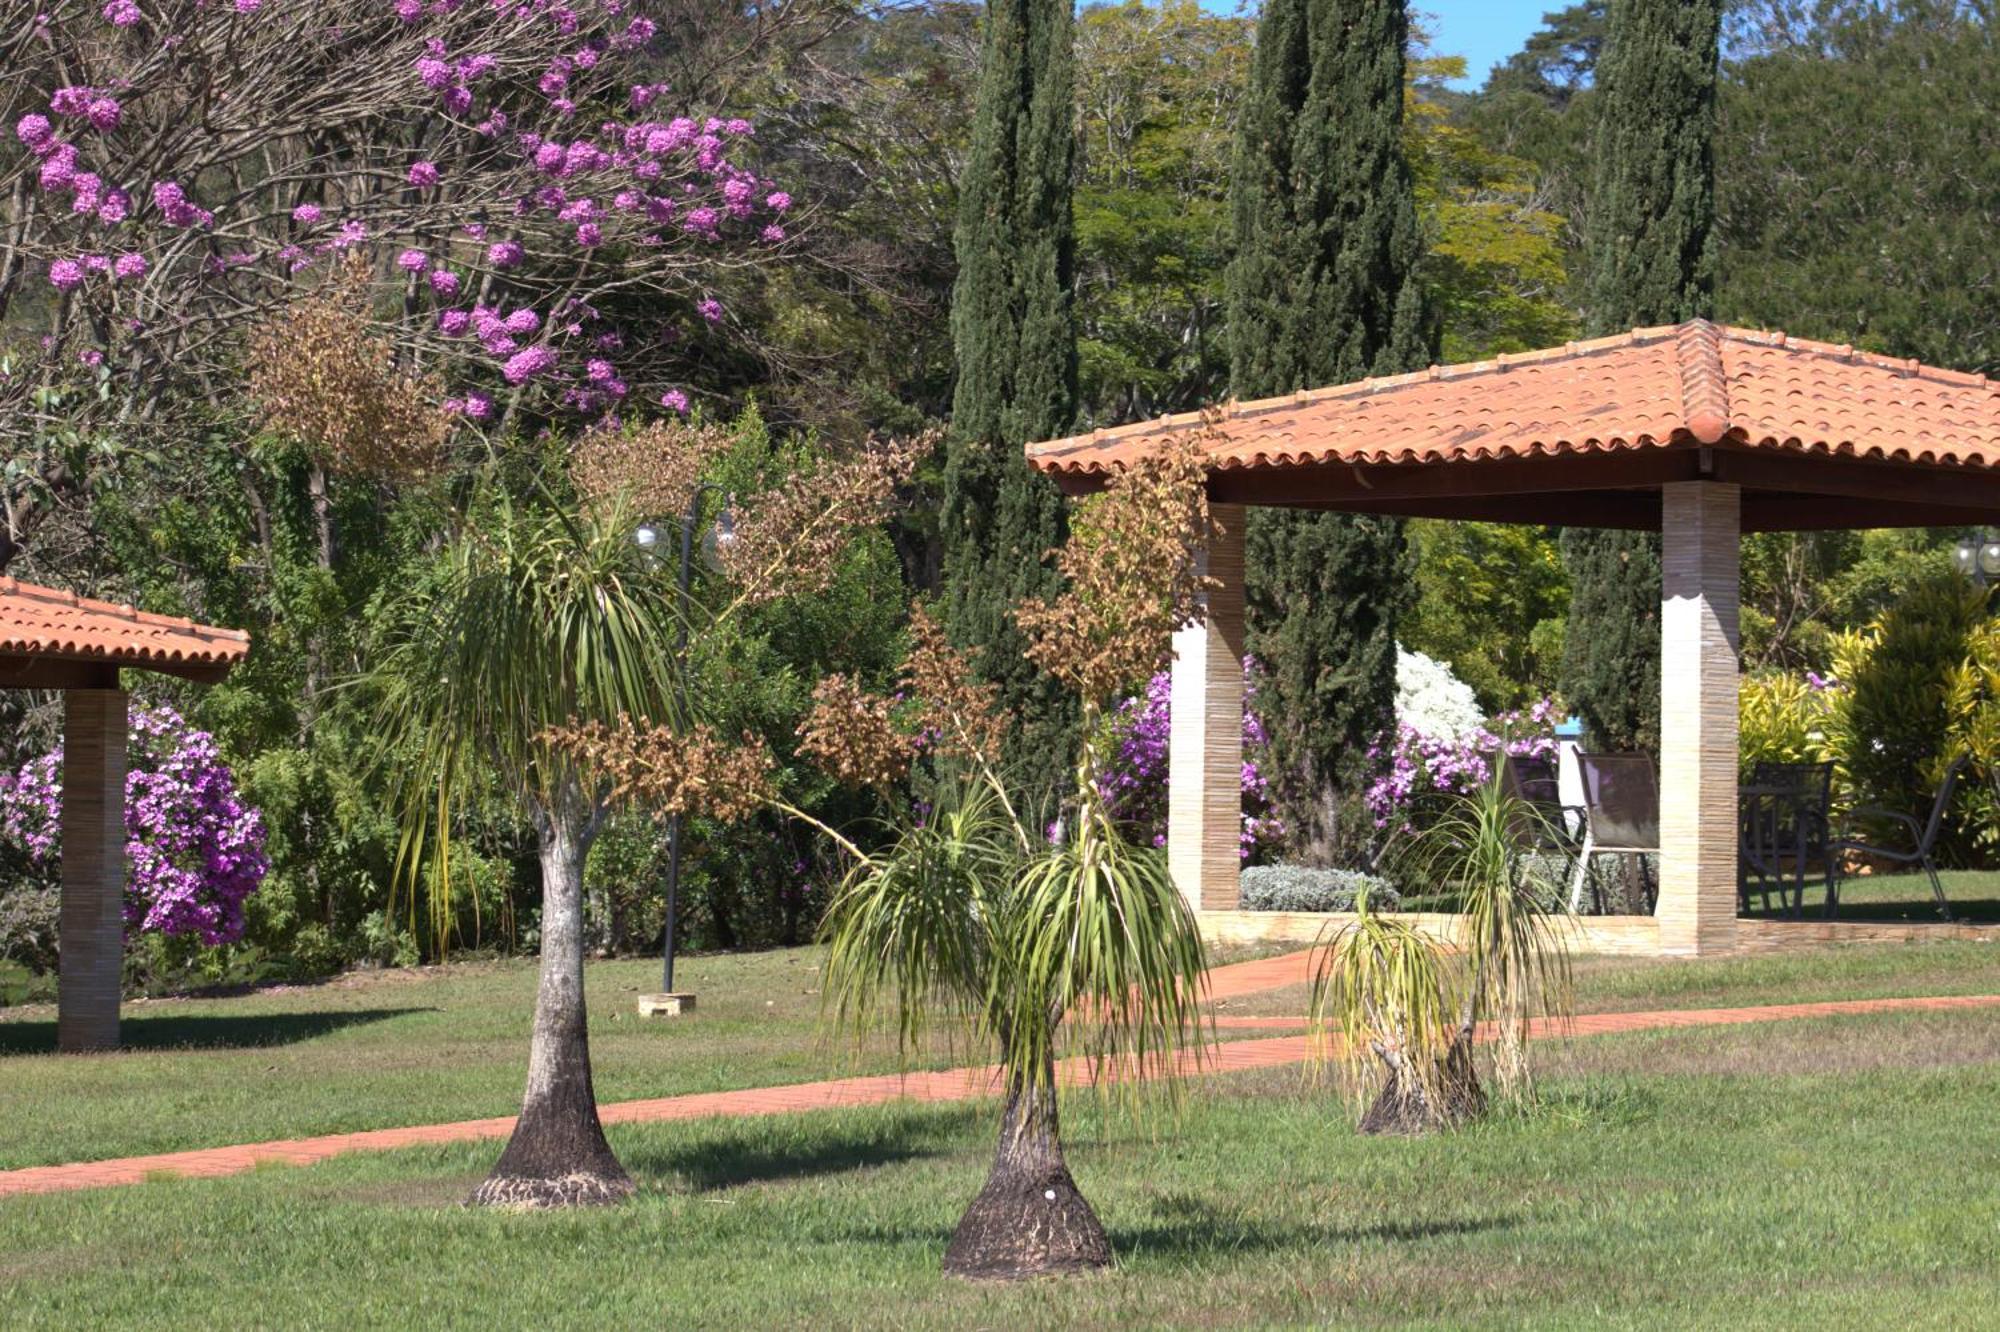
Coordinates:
1134	782
1420	765
195	851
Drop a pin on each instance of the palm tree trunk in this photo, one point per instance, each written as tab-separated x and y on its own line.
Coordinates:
1449	1097
1029	1220
557	1156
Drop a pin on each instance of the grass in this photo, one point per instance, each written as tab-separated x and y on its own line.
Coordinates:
1659	1185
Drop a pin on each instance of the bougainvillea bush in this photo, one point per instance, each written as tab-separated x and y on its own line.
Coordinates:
1422	767
194	849
1134	781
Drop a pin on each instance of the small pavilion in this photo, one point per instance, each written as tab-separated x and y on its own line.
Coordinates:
1697	431
57	640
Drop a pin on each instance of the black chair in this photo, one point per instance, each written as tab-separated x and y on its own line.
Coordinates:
1621	812
1784	830
1536	783
1923	838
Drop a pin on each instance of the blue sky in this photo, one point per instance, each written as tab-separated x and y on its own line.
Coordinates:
1485	32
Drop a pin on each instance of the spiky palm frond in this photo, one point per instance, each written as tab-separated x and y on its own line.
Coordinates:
1099	939
527	620
1513	926
1393	994
910	927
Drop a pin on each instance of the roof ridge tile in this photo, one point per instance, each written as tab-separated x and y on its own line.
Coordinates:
1704	390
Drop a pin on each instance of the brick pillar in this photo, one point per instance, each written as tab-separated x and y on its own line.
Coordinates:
92	921
1700	525
1205	749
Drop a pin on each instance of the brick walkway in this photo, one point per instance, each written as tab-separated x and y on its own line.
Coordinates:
952	1085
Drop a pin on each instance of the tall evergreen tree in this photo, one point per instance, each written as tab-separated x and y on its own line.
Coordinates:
1013	325
1322	289
1651	258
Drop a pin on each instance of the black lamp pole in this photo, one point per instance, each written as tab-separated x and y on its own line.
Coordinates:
688	521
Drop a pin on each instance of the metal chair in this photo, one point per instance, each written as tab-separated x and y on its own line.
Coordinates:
1784	828
1536	783
1621	812
1923	838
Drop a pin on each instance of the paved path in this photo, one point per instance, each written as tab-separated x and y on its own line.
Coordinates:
952	1085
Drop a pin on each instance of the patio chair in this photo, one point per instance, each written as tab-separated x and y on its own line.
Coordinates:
1923	838
1621	812
1786	811
1535	783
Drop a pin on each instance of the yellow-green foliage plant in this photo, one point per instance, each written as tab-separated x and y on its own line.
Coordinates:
1782	718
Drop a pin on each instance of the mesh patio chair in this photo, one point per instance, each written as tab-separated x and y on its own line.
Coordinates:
1786	824
1535	783
1621	812
1923	839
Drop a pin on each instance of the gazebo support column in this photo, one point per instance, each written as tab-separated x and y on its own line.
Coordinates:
1700	524
1205	747
92	920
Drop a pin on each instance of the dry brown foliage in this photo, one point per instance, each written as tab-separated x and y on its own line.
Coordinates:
667	773
654	468
962	713
1133	563
790	541
852	735
322	373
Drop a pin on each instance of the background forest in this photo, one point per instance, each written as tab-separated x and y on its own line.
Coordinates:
1857	197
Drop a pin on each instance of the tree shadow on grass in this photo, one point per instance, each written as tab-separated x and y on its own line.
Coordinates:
740	1154
1184	1226
210	1031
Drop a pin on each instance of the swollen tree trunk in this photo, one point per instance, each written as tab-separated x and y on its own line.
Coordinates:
1448	1097
1029	1220
558	1156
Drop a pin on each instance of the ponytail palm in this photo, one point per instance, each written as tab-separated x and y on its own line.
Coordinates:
530	618
975	920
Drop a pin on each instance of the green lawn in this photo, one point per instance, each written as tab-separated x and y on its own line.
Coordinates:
385	1049
1838	1173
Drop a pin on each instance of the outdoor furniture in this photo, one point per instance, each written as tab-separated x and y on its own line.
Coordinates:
1535	783
1784	830
1923	840
1621	812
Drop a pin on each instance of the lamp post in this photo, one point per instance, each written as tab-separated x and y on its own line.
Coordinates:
1978	557
714	544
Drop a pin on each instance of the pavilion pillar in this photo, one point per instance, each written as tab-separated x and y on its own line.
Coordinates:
1205	745
1700	525
92	918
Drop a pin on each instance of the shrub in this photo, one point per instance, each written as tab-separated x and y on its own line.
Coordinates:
1305	888
1783	718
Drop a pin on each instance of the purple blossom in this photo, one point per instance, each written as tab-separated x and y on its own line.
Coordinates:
711	310
306	214
65	274
778	201
1134	778
588	235
504	254
121	13
444	282
674	401
434	73
413	261
33	129
194	850
423	175
453	323
528	363
131	264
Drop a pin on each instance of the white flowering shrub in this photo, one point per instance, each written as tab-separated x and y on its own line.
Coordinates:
1431	701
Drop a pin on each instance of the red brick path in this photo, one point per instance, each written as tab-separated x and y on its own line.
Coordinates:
954	1085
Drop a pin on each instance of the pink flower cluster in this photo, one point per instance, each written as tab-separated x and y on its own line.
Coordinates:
1421	765
1135	778
195	851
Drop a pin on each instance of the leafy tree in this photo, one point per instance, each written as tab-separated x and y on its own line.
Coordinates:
1489	597
1652	261
530	619
1324	287
1013	324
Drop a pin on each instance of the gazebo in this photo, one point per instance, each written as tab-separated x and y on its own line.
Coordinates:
1697	431
58	640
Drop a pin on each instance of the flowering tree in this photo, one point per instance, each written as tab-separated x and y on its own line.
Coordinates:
547	230
1134	780
1424	765
195	850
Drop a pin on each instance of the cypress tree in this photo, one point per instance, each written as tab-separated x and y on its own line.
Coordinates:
1322	289
1651	256
1013	325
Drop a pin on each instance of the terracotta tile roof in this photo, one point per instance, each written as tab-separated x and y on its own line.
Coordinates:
44	622
1677	385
